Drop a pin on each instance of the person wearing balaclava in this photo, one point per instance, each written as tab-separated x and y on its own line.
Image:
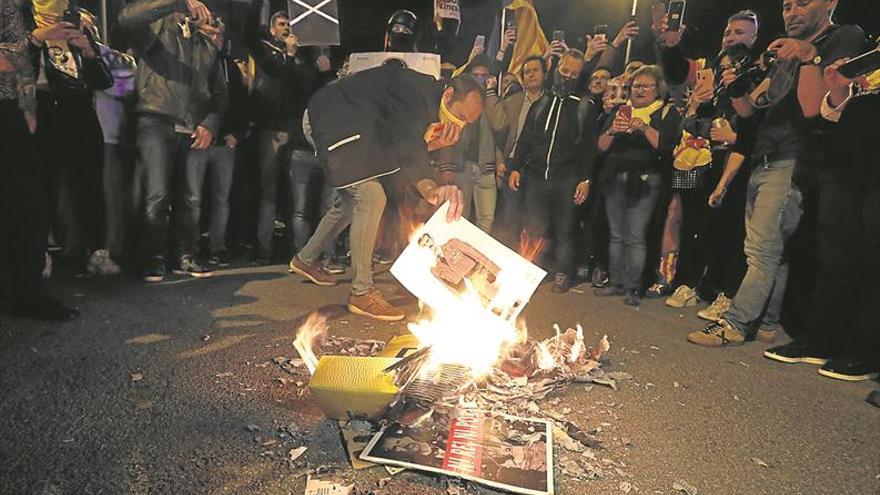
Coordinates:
401	32
554	157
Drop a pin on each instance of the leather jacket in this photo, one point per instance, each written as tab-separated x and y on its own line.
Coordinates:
178	76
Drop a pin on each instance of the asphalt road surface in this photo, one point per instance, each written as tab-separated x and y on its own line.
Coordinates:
172	388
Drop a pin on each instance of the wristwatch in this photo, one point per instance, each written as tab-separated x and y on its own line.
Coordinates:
815	61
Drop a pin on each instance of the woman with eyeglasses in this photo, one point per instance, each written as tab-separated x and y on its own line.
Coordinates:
637	143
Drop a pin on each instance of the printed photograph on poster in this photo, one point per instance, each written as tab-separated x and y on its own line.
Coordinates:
503	452
445	261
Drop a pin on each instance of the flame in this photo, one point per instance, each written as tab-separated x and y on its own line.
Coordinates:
578	348
545	358
466	334
314	328
530	249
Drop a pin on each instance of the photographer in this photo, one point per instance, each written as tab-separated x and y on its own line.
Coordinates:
23	219
790	95
841	332
637	143
68	74
709	211
180	107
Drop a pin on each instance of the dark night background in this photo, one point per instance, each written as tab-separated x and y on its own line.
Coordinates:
363	21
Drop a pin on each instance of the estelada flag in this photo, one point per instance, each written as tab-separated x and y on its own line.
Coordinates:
530	38
314	22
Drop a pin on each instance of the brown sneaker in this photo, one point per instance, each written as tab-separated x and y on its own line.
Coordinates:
313	273
766	335
718	334
372	304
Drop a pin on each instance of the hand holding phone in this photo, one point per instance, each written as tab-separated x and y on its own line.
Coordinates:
480	41
675	14
601	31
558	35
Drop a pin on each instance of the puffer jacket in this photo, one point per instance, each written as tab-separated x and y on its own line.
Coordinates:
177	77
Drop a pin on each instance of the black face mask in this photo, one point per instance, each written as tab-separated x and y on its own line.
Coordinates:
563	86
401	42
512	90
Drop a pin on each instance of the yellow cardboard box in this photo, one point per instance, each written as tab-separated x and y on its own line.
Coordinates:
347	387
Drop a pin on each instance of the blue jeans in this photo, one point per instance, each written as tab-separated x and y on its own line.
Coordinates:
221	160
629	210
360	206
550	205
270	158
161	152
510	214
306	170
478	187
773	211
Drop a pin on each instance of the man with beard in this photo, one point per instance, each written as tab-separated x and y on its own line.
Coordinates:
784	136
554	160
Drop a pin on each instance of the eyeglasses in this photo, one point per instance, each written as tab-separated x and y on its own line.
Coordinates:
637	87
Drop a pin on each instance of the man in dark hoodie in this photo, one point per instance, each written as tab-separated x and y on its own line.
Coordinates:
553	161
181	100
380	124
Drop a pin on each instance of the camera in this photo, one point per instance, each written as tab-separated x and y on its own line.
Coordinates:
750	70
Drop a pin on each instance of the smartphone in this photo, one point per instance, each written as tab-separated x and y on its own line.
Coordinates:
510	20
601	31
705	77
71	15
861	65
558	35
480	41
632	18
675	11
625	112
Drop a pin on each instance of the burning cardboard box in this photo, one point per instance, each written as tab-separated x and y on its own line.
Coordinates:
351	387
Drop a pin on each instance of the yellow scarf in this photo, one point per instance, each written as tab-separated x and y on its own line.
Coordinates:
644	113
446	118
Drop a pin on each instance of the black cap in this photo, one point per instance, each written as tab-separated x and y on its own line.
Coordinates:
405	18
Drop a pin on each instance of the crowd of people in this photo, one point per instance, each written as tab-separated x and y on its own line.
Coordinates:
681	181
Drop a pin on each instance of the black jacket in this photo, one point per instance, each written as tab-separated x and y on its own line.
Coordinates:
555	141
235	121
372	124
176	77
273	88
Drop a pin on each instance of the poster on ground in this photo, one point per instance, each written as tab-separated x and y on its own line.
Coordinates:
446	261
499	451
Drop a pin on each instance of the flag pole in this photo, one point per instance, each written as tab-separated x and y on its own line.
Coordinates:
629	42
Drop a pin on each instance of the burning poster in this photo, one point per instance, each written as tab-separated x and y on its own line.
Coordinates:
446	262
504	452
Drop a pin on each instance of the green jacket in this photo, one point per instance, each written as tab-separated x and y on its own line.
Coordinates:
177	77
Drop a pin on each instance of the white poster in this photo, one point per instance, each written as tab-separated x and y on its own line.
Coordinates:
424	63
446	261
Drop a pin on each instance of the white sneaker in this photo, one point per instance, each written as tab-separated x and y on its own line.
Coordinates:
716	309
101	263
683	297
96	259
